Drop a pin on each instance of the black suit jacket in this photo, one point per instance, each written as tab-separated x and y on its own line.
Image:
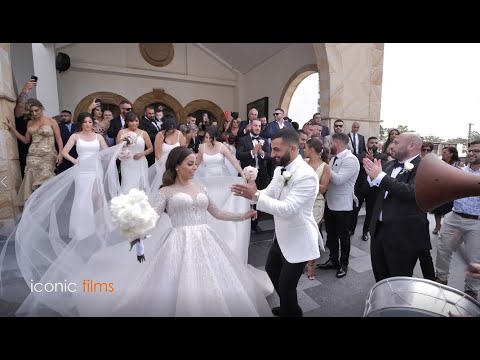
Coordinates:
361	143
361	184
241	128
244	146
65	134
115	127
406	226
147	126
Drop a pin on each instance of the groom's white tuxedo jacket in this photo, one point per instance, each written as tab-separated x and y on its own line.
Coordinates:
291	206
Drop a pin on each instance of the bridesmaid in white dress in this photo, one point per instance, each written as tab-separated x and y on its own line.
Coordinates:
214	174
89	195
213	154
166	140
134	170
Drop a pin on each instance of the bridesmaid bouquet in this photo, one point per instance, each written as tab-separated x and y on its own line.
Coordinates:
250	173
127	140
134	216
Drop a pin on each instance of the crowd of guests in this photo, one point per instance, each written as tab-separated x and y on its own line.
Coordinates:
351	170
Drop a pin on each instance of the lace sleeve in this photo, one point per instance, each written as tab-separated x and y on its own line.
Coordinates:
223	215
160	203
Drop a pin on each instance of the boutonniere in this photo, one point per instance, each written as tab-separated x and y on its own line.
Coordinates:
285	177
407	166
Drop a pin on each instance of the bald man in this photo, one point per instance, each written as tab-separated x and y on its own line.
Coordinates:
399	229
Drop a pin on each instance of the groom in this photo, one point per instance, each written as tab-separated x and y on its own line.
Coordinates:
289	198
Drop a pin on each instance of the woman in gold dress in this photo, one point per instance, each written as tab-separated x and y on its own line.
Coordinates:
42	157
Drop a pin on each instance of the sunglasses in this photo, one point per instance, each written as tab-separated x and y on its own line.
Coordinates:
277	113
338	125
128	109
476	151
429	150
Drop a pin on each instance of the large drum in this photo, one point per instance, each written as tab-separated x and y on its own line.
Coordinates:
406	296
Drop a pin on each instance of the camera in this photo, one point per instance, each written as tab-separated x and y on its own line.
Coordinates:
234	114
34	78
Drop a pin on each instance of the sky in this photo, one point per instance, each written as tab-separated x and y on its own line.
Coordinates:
433	89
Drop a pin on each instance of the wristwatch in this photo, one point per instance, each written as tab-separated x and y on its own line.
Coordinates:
256	196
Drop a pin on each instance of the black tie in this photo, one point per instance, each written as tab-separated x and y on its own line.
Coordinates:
282	170
334	159
255	137
398	164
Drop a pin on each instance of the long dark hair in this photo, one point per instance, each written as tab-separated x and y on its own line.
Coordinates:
81	119
175	158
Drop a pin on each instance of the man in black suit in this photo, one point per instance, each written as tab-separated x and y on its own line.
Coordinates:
317	119
358	141
245	125
149	125
399	228
118	123
363	192
251	152
67	128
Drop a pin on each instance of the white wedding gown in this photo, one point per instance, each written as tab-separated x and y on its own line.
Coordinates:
189	272
135	172
89	195
214	174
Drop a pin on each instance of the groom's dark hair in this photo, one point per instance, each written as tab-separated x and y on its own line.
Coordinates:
289	136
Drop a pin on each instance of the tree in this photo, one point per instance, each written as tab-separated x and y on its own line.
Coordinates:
433	139
456	141
474	136
384	131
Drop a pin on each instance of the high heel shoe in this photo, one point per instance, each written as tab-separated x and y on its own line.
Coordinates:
311	270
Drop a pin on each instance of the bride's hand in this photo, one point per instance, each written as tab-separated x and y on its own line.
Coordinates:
59	159
250	214
8	124
138	156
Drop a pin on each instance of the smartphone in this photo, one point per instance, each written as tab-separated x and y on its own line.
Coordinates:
97	100
34	78
234	114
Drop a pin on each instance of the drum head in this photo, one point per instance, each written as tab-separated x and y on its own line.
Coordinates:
412	297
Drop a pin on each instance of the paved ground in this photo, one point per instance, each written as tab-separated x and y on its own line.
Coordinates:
325	296
330	296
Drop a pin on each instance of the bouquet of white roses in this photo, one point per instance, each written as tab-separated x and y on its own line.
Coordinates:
134	217
250	173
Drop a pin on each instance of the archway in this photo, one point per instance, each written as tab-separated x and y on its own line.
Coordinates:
160	96
110	101
209	107
293	83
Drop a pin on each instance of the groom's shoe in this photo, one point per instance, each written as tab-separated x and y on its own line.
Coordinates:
276	311
342	271
329	264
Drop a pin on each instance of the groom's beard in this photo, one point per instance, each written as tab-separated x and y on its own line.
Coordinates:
284	160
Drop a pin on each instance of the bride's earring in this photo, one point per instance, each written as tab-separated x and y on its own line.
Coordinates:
176	169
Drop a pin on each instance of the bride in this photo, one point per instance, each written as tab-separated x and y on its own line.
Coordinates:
189	272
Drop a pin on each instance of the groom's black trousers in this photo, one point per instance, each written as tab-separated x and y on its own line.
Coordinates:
284	276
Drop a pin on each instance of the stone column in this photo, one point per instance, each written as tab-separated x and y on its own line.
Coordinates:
351	84
10	177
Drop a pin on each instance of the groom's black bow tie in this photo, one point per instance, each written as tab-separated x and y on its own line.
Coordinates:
255	137
282	170
398	164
